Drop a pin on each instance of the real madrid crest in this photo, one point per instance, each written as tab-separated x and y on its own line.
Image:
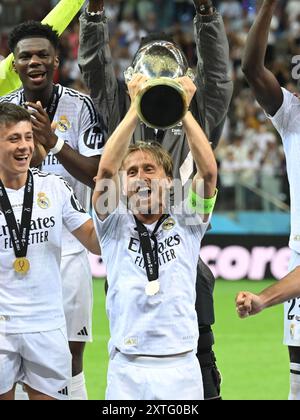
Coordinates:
168	224
43	201
63	124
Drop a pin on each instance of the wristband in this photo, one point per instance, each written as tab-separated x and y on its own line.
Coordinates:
201	205
57	148
205	8
98	13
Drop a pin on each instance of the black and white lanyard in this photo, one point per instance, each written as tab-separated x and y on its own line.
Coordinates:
19	235
150	254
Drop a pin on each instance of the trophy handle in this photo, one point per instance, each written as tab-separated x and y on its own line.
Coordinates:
128	74
190	74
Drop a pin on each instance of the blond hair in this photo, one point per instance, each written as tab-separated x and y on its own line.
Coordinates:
161	156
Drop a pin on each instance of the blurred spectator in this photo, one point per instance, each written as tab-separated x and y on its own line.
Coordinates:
229	168
270	172
248	180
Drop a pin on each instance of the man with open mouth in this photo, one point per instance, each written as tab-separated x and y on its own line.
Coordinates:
66	124
34	207
151	290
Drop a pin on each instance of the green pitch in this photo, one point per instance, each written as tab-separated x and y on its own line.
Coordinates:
250	354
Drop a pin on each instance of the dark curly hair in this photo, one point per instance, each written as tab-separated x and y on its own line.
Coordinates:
32	29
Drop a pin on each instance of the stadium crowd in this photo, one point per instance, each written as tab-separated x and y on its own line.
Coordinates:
251	162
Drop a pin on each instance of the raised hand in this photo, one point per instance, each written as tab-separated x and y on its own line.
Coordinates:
135	85
188	86
96	5
43	131
204	7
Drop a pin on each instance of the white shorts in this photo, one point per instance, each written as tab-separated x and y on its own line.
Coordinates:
154	378
292	312
77	288
41	360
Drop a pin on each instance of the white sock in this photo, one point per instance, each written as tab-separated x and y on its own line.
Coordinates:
78	388
295	382
20	394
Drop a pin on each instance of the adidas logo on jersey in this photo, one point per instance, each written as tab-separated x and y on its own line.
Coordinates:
131	341
64	391
83	332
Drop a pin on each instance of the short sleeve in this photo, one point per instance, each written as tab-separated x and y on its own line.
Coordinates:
107	229
91	137
281	119
74	215
191	219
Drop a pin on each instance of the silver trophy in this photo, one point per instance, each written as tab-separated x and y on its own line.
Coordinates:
162	102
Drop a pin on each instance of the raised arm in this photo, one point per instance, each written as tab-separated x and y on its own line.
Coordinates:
263	83
95	62
114	153
288	288
213	78
201	149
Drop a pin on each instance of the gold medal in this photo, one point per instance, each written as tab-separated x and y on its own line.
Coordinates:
22	265
152	288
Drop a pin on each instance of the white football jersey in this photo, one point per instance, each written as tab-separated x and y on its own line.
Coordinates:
33	302
78	125
286	122
165	323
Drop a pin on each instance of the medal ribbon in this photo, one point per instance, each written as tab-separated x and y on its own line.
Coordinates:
150	254
19	235
53	103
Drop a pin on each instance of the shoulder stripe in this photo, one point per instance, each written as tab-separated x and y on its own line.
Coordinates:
92	112
12	96
60	90
41	174
87	101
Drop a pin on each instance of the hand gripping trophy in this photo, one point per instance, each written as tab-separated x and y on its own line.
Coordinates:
162	102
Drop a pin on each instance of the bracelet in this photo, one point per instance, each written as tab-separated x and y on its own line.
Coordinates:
98	13
59	145
201	205
205	9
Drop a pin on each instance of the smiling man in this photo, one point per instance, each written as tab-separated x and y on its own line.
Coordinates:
209	107
33	339
75	147
151	294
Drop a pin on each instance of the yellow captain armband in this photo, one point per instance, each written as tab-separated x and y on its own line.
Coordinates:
201	205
